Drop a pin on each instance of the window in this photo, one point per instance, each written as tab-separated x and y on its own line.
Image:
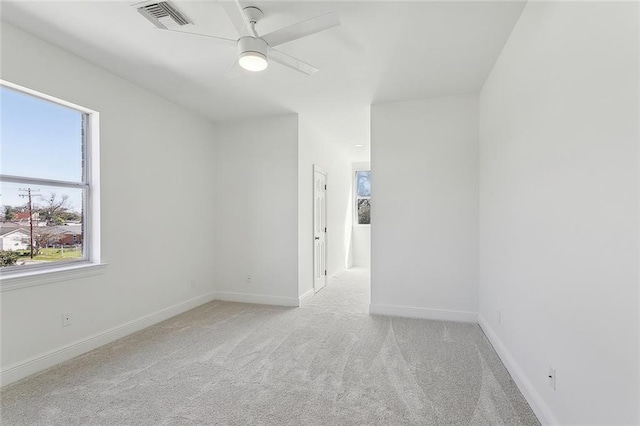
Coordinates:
363	197
48	182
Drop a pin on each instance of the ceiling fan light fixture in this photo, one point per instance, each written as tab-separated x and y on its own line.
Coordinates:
252	53
253	61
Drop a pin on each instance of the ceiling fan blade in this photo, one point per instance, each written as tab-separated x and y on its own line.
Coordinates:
291	62
236	14
302	29
220	40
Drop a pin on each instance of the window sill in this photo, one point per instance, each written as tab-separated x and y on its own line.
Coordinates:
20	280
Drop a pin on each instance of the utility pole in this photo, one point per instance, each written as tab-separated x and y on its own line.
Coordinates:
28	194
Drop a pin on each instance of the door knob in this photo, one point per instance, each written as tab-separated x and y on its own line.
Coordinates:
317	238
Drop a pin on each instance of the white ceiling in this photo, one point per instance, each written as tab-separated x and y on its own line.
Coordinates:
383	51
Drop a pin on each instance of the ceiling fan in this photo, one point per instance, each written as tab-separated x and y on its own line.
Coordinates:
254	51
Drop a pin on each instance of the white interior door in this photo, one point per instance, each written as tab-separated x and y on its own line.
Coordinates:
319	228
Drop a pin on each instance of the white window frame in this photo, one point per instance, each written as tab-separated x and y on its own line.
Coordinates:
13	277
356	197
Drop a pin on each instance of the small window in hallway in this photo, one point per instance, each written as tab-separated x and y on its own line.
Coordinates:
363	197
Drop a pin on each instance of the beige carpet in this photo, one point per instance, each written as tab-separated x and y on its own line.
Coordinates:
325	363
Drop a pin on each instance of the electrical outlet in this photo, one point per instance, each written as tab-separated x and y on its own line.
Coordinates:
552	378
193	283
67	319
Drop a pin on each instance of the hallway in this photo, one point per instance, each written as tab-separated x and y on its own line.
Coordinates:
347	293
326	363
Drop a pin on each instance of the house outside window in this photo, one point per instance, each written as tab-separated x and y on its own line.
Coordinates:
48	182
363	197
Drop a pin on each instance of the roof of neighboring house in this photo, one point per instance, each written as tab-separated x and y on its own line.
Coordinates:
69	229
7	227
25	215
10	225
6	231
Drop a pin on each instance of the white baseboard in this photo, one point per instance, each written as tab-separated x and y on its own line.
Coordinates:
539	407
423	313
259	299
38	363
305	295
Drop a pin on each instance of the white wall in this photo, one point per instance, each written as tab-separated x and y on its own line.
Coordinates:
317	146
256	193
156	174
559	212
361	255
361	246
424	241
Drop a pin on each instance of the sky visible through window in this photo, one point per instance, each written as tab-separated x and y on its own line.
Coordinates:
364	183
39	139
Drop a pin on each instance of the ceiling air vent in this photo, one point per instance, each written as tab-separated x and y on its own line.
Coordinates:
163	14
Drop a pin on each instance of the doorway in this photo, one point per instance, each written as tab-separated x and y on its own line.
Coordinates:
319	228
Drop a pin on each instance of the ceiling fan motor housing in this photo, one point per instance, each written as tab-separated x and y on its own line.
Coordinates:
253	14
252	45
